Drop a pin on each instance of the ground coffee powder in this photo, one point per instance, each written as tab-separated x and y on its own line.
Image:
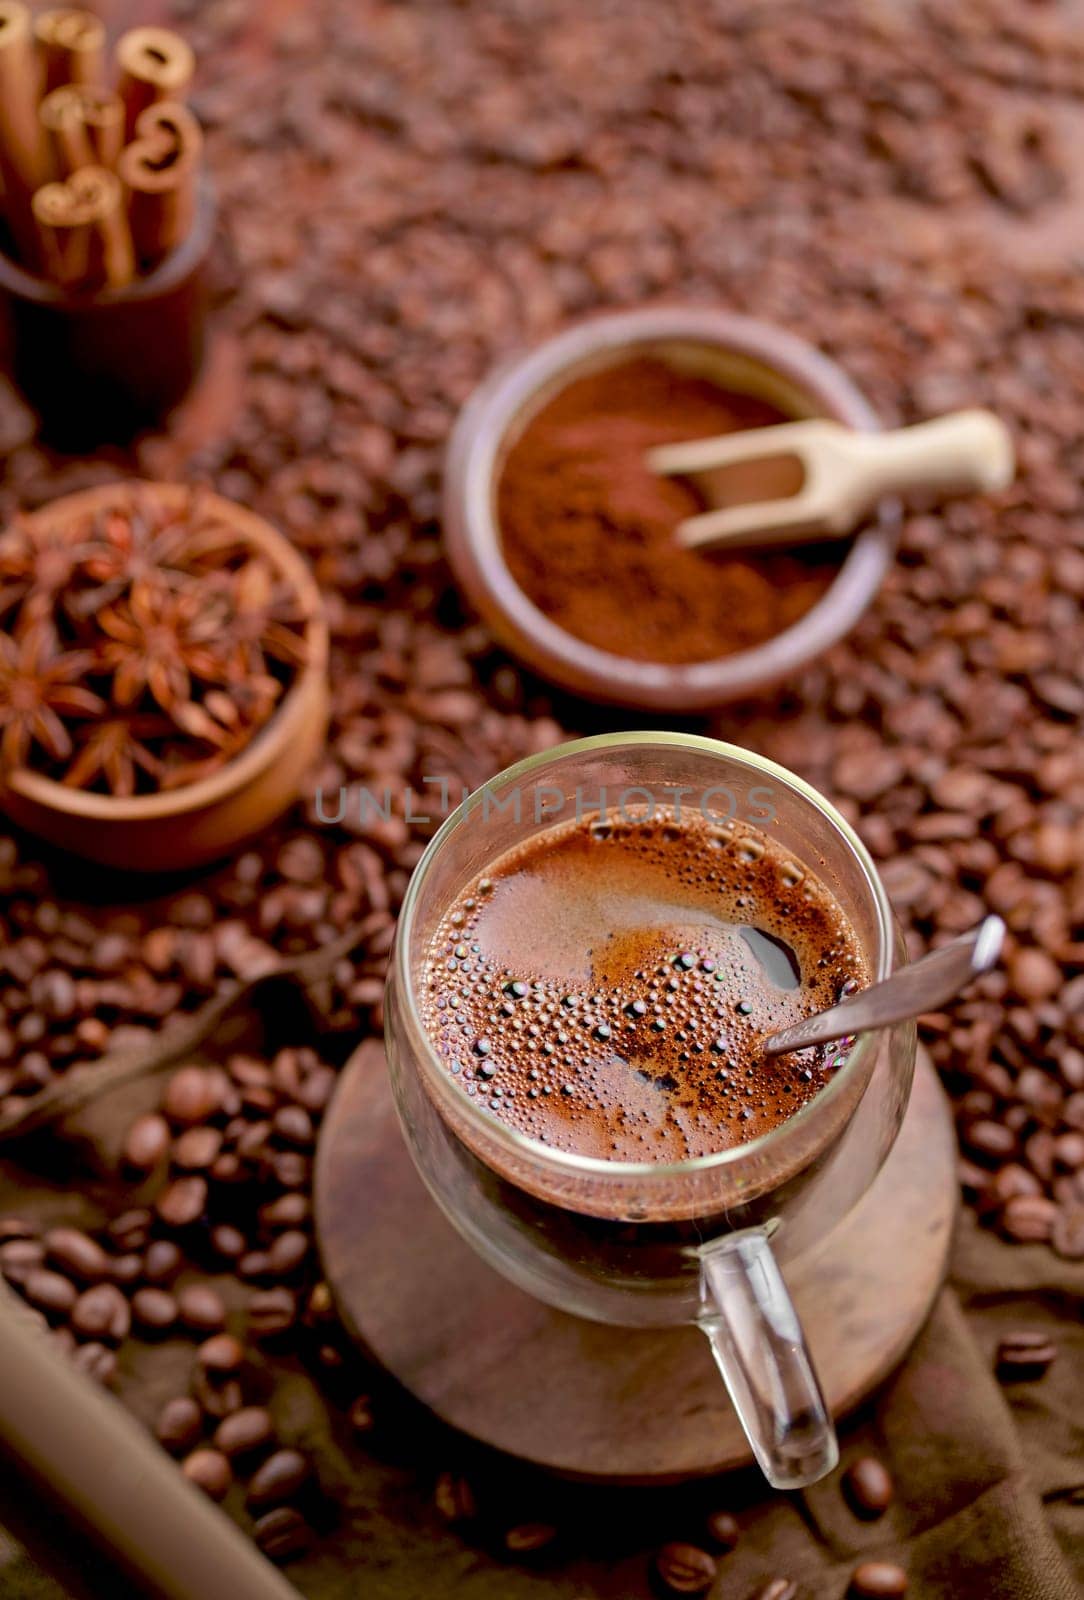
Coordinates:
589	530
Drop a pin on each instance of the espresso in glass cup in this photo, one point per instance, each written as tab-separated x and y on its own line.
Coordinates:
588	954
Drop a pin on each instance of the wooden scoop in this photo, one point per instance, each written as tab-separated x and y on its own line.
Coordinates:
844	473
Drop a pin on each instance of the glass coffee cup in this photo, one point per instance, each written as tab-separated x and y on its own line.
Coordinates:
653	1244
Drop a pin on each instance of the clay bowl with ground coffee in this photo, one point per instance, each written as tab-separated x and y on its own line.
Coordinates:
205	819
563	539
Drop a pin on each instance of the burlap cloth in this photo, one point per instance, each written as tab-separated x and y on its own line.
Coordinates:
990	1479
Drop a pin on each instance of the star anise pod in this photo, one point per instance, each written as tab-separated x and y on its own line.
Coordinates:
114	752
268	620
39	687
38	561
136	545
158	640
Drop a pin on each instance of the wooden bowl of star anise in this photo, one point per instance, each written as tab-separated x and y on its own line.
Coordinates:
163	674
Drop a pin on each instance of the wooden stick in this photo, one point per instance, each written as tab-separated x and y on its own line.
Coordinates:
84	230
159	169
85	127
23	155
155	64
72	47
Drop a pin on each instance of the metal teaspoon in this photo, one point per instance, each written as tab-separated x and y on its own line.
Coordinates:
923	985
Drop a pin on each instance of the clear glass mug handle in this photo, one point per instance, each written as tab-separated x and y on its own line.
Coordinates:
760	1349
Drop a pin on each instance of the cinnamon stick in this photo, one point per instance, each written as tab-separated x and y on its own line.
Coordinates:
72	46
84	125
159	169
155	64
23	155
85	237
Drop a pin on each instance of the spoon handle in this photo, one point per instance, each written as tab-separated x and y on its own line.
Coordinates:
921	986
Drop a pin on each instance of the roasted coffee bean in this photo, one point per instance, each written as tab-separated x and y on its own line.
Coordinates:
246	1433
272	1313
18	1228
192	1096
97	1361
320	1307
529	1538
197	1149
76	1254
778	1589
103	1314
876	1580
180	1426
293	1126
162	1262
183	1202
147	1144
292	1170
131	1230
288	1211
218	1397
20	1257
222	1355
685	1568
722	1529
867	1485
228	1242
1029	1218
454	1498
283	1534
281	1478
125	1271
1025	1354
255	1266
49	1292
154	1311
988	1141
287	1254
202	1308
210	1471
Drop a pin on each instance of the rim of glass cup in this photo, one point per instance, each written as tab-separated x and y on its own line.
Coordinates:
571	1161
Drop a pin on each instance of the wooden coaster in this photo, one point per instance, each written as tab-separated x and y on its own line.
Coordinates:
580	1398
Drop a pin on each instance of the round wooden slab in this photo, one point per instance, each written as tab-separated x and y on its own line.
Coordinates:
578	1397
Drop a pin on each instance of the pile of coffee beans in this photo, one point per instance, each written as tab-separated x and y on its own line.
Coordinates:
220	1255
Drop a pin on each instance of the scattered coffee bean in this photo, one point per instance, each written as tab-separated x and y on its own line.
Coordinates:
1024	1355
162	1262
685	1568
288	1253
154	1311
283	1534
76	1254
49	1292
131	1230
1067	1232
102	1313
147	1144
246	1433
228	1242
272	1313
280	1478
197	1149
126	1271
192	1095
867	1485
202	1308
183	1202
1029	1218
878	1580
293	1125
210	1471
222	1355
180	1426
97	1361
20	1257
